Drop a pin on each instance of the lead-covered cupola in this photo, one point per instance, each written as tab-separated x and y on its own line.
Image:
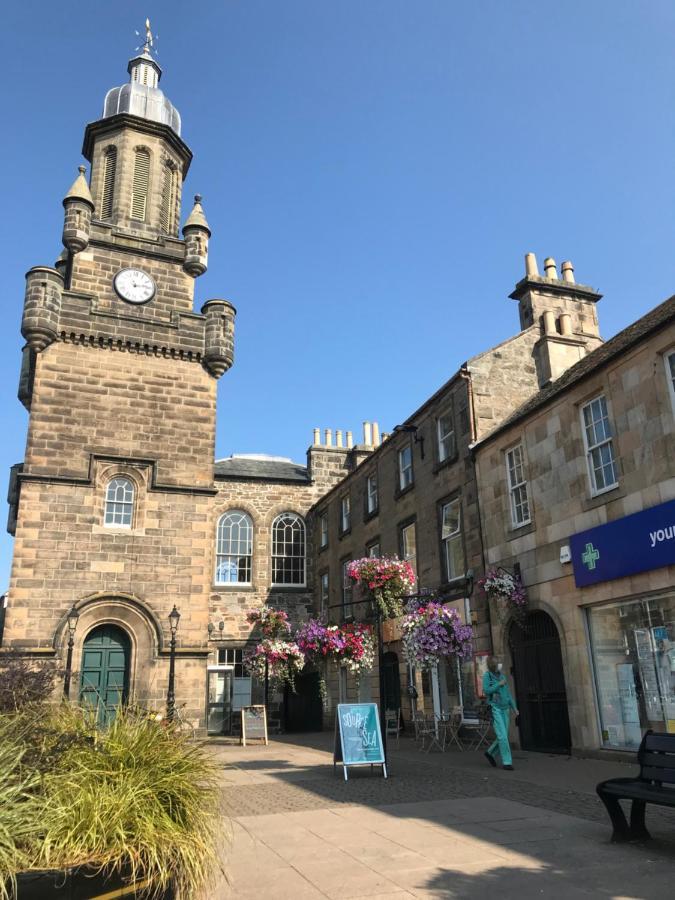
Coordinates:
138	158
141	96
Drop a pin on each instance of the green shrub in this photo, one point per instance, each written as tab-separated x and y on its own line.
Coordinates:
17	813
135	797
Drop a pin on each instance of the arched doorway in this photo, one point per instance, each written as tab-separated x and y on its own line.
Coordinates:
540	684
392	681
104	679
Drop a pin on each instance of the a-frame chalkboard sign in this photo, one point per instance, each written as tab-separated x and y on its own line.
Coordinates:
253	724
358	738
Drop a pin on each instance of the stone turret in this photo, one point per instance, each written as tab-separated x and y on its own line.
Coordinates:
219	336
196	233
42	306
78	206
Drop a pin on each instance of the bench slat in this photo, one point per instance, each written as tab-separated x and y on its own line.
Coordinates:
659	760
659	741
654	773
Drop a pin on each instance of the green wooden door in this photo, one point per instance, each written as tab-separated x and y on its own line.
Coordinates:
104	680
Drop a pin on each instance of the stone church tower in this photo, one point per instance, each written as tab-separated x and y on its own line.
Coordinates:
112	504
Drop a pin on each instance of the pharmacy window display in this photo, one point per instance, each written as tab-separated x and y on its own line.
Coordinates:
633	650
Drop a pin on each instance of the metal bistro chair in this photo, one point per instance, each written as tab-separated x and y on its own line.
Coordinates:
392	722
451	727
479	734
425	728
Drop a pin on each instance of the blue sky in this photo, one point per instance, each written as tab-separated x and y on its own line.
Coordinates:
373	172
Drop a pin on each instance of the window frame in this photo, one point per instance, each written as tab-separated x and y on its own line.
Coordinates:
588	450
323	530
449	413
407	448
514	487
375	542
124	503
345	511
372	509
346	589
446	577
221	556
670	375
286	585
324	596
402	529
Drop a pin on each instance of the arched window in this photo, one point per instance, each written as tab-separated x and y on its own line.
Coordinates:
288	549
139	189
119	503
234	548
107	194
168	199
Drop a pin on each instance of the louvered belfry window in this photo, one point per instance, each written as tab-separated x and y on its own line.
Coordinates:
168	199
109	168
139	192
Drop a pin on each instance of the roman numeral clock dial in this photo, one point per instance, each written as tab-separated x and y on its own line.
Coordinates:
134	286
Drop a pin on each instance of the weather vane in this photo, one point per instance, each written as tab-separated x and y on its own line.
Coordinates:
150	39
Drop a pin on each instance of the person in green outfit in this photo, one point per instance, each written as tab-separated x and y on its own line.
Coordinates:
501	703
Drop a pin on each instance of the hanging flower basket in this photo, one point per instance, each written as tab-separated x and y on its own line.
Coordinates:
358	652
273	623
432	631
507	594
386	580
281	660
321	644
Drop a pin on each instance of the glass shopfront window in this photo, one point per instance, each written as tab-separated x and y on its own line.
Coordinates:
633	649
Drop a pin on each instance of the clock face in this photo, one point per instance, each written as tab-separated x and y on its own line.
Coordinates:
134	285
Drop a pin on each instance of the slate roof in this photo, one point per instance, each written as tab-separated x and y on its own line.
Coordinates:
261	469
658	317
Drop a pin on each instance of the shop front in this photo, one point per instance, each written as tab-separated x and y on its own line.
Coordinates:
631	639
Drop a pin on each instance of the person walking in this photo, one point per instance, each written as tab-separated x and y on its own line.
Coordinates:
501	703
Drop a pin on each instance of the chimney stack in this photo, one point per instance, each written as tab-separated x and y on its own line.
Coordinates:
338	437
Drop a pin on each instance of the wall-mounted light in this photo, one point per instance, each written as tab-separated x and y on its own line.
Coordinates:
411	429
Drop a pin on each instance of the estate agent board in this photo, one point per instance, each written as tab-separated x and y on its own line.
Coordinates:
358	738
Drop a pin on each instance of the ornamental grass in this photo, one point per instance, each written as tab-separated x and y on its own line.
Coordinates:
135	799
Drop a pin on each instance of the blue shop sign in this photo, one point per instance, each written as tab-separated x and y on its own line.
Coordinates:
635	543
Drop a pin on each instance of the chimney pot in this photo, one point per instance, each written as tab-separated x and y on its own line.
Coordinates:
376	434
350	440
317	437
565	323
329	437
338	437
367	434
550	269
531	267
549	322
567	270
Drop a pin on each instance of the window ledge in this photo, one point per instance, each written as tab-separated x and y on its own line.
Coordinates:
400	492
118	529
323	548
344	533
289	589
516	531
606	496
446	463
367	516
234	587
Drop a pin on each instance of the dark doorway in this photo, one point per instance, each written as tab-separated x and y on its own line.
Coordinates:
392	681
303	710
104	682
540	684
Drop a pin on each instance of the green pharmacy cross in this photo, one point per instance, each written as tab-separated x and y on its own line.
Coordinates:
590	557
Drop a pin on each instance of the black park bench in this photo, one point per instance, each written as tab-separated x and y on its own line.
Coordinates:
655	784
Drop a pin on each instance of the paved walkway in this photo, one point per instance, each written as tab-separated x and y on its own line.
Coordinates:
442	826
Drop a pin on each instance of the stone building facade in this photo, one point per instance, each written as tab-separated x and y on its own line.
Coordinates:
572	486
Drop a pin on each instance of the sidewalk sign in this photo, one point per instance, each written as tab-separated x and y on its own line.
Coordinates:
253	724
358	738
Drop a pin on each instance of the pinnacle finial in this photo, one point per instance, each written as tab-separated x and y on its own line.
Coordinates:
148	37
198	199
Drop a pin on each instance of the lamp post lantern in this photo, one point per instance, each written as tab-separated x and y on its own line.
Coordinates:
73	616
174	618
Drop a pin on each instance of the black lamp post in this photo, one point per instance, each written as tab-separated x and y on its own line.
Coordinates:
73	617
174	618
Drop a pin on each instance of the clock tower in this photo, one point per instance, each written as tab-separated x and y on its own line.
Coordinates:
112	504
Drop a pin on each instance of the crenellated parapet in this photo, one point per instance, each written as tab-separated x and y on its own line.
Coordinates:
219	336
42	306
